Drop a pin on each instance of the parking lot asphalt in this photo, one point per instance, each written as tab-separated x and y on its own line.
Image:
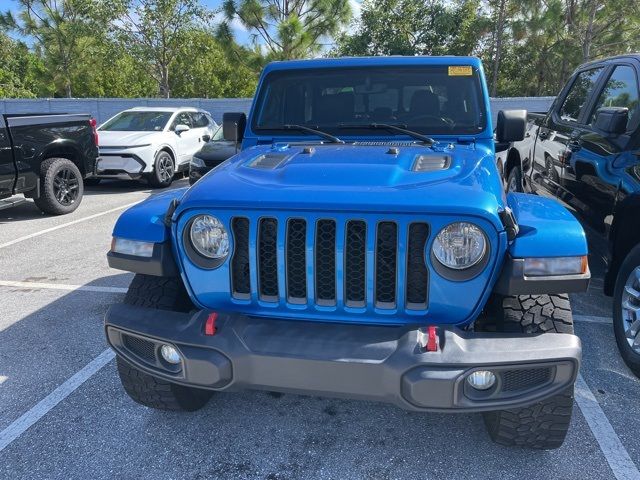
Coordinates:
63	413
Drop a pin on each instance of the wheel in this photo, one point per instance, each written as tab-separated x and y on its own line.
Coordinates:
543	425
164	294
163	170
514	180
626	310
92	181
61	186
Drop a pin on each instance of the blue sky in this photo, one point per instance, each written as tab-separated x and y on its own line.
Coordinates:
242	36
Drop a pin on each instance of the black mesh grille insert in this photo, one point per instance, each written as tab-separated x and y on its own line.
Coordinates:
417	274
386	264
355	263
240	279
268	258
325	267
296	261
140	347
524	379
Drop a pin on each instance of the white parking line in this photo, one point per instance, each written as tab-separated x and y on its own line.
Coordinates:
58	227
617	456
59	286
22	424
593	319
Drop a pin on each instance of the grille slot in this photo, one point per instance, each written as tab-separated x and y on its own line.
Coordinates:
355	257
325	262
524	379
417	273
296	259
140	347
386	265
267	259
240	276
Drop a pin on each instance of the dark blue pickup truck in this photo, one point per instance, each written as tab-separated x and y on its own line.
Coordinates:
585	152
359	245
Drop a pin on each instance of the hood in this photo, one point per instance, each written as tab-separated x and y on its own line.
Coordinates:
108	138
375	177
217	151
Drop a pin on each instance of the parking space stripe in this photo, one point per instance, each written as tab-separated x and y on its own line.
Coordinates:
617	456
68	224
60	286
593	319
22	424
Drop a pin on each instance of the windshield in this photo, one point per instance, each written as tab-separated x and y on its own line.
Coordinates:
218	135
137	122
426	99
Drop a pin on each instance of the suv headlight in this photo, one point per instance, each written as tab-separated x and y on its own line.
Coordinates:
209	237
459	245
197	162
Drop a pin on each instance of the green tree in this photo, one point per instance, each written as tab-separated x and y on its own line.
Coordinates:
21	71
414	27
288	29
153	31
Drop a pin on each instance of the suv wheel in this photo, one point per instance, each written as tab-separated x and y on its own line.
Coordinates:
61	186
163	170
163	293
543	425
626	310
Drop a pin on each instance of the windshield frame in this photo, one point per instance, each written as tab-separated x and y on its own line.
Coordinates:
480	94
170	117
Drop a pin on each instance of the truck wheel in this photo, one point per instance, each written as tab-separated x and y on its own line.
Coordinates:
164	294
514	181
163	170
61	186
626	310
543	425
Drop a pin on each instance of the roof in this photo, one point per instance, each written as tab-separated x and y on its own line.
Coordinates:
164	109
633	56
371	62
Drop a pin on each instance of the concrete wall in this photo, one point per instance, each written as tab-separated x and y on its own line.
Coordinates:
104	108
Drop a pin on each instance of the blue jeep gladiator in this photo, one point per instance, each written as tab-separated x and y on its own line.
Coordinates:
359	245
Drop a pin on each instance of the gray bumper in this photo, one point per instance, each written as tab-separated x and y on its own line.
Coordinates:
354	361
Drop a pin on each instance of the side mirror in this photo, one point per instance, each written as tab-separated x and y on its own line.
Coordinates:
233	125
206	137
612	120
181	127
511	125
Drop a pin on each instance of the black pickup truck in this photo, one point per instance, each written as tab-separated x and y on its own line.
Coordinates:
585	151
47	157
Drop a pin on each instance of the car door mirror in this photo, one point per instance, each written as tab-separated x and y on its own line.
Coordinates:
233	125
206	137
181	127
612	120
511	125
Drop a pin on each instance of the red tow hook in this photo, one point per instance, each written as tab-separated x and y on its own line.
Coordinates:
432	339
210	324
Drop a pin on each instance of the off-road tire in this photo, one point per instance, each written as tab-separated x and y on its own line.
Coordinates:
631	358
514	179
47	201
157	179
163	293
543	425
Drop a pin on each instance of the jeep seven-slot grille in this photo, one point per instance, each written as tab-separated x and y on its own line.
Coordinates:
312	250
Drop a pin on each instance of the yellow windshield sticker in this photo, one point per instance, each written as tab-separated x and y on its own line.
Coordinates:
460	71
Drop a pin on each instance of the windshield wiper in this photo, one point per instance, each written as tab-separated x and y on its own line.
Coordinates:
396	128
320	133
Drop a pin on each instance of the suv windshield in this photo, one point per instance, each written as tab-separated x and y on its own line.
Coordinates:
426	99
137	122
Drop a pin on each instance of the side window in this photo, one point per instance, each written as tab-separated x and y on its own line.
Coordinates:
199	120
183	118
620	91
578	95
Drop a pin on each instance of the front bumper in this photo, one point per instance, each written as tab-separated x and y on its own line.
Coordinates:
120	165
380	363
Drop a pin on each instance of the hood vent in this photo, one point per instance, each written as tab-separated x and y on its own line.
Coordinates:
431	163
268	161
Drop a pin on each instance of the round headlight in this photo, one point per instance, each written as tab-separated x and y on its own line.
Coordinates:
209	237
459	245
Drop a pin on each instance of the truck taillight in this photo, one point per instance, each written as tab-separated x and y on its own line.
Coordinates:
94	129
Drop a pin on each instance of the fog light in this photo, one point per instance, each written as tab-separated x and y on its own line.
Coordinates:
170	354
482	379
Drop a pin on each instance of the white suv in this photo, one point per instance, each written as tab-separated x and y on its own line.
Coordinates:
152	143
